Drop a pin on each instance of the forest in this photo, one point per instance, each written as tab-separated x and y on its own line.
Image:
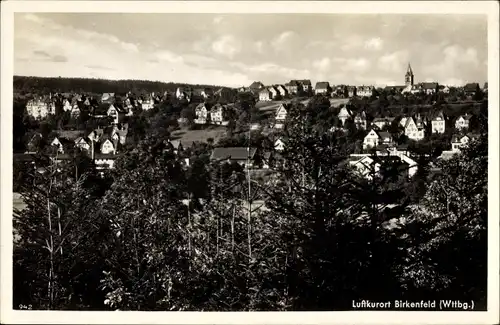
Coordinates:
154	234
45	85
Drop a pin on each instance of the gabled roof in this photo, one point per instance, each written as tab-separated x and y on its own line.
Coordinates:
322	85
306	82
473	86
429	85
70	135
233	153
439	114
466	117
256	85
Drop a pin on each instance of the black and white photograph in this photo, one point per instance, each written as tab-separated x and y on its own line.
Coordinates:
319	160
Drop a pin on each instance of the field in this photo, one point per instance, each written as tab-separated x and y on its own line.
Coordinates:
186	137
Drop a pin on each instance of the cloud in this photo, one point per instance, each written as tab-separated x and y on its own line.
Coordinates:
44	56
227	45
374	44
352	64
285	41
394	62
168	56
323	64
99	67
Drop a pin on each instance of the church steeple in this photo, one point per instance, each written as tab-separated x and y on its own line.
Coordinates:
409	75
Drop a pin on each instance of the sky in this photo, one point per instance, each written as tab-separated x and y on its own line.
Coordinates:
236	49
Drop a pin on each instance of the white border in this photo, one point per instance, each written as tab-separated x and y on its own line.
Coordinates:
7	315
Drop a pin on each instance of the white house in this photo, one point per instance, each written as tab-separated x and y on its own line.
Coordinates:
107	147
274	92
279	145
374	139
67	106
281	114
463	121
438	123
201	113
265	95
217	115
364	91
459	142
344	114
414	130
282	90
39	109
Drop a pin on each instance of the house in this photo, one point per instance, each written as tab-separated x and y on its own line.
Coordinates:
279	145
147	103
274	92
344	114
67	105
207	93
282	90
108	146
380	122
81	143
415	128
322	87
306	85
395	89
201	113
351	91
471	89
39	108
360	120
121	130
175	146
364	91
281	114
368	165
116	112
225	94
256	86
438	123
34	143
293	87
444	89
61	144
463	121
459	142
75	111
218	115
265	95
95	135
402	121
375	138
108	98
241	155
425	88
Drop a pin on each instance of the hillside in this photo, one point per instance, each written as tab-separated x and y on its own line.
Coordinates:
43	85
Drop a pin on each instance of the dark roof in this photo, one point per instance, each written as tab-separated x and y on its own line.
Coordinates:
473	86
384	134
429	85
233	153
256	84
69	134
305	82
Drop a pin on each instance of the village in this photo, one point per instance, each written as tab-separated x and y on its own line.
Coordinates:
105	143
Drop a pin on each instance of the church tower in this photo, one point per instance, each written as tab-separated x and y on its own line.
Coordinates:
409	76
